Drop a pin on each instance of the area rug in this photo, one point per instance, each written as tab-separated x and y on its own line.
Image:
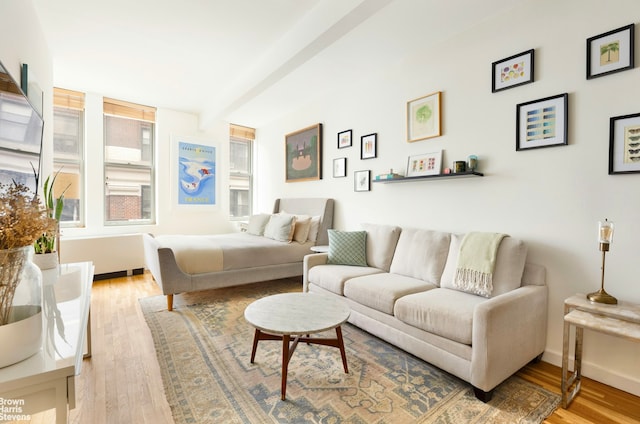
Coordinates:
204	354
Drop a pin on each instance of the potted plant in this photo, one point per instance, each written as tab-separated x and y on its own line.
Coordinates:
46	246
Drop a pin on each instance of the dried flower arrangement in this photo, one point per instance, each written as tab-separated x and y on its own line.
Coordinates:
22	220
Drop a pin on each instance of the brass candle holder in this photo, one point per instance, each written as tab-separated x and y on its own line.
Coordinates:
605	237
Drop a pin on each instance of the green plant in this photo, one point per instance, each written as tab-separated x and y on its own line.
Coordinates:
46	243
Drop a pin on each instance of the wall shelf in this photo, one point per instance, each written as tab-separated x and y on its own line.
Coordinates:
432	177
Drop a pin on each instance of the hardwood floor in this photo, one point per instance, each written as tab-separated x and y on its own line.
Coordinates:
121	382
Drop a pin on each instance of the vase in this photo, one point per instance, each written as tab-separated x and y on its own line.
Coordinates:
20	305
46	260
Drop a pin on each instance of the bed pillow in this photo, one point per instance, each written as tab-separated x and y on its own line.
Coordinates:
347	248
313	229
302	227
257	223
280	227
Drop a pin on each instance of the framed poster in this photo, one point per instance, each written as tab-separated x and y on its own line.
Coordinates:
303	154
610	52
362	180
542	123
424	164
512	71
624	144
195	173
369	146
344	139
339	167
424	117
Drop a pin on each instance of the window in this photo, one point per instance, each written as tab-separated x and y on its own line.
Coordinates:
241	171
129	131
68	154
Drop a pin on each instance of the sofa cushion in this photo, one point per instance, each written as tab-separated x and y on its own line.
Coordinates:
381	243
421	254
333	277
447	313
380	291
347	248
509	266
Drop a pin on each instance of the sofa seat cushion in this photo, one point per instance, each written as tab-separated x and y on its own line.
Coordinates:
445	312
380	291
421	254
333	277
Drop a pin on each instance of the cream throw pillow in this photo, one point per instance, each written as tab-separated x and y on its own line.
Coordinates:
302	227
257	224
280	227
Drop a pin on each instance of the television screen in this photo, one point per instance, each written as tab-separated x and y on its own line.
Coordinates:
20	134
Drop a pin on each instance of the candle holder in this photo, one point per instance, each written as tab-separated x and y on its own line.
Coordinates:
605	237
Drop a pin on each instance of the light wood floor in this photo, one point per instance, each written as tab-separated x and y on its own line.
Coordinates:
121	383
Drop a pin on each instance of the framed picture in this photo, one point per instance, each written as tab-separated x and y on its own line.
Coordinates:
194	172
513	71
369	146
624	144
362	180
423	117
610	52
542	123
339	167
344	139
304	154
424	164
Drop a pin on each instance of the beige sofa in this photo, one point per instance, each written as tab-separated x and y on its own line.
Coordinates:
406	296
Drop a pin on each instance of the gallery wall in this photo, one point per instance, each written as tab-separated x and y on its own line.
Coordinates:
551	197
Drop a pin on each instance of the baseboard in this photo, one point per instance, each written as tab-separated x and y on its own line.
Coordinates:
596	372
118	274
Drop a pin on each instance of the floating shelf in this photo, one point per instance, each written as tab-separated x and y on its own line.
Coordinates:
431	177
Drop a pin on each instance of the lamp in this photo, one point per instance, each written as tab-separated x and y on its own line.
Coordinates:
605	236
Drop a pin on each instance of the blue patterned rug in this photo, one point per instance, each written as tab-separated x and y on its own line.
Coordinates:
204	354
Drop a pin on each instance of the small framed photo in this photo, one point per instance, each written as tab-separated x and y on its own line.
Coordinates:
362	180
424	164
513	71
610	52
339	167
424	117
624	144
344	139
369	146
542	123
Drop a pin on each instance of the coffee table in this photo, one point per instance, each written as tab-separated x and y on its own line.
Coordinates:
281	316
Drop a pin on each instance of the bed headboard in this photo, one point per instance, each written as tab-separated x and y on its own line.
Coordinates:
312	207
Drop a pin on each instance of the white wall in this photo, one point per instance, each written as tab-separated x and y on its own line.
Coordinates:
550	197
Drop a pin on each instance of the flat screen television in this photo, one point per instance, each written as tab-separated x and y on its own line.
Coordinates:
21	129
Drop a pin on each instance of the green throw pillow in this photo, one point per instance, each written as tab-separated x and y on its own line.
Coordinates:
347	248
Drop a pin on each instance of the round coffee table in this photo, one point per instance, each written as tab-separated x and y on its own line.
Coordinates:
281	316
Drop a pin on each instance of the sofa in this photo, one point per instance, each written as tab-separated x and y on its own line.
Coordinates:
403	290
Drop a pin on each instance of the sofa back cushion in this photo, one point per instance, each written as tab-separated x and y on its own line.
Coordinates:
381	243
421	254
509	266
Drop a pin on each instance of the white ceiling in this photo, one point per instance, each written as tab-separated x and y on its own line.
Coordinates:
245	61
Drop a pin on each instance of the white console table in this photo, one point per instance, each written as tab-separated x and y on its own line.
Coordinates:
47	379
621	320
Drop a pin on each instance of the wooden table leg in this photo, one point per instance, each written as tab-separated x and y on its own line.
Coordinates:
256	337
285	364
341	347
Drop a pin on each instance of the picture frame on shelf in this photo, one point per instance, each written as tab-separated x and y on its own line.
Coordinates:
542	123
339	167
303	154
610	52
624	144
513	71
369	146
344	139
424	164
362	180
424	117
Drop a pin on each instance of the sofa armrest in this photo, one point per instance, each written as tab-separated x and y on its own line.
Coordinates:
509	331
309	262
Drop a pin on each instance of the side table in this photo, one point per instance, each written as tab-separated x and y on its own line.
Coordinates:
621	320
320	249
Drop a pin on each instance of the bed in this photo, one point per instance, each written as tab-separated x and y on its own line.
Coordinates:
187	263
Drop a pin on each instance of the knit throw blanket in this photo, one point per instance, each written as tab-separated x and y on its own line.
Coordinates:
476	261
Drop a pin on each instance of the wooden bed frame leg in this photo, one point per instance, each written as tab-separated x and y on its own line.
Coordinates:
170	302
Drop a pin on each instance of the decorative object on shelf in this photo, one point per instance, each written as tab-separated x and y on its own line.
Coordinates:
624	144
344	139
339	167
390	176
460	166
369	146
610	52
446	171
424	164
513	71
473	162
542	123
362	180
304	154
605	237
47	246
424	117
